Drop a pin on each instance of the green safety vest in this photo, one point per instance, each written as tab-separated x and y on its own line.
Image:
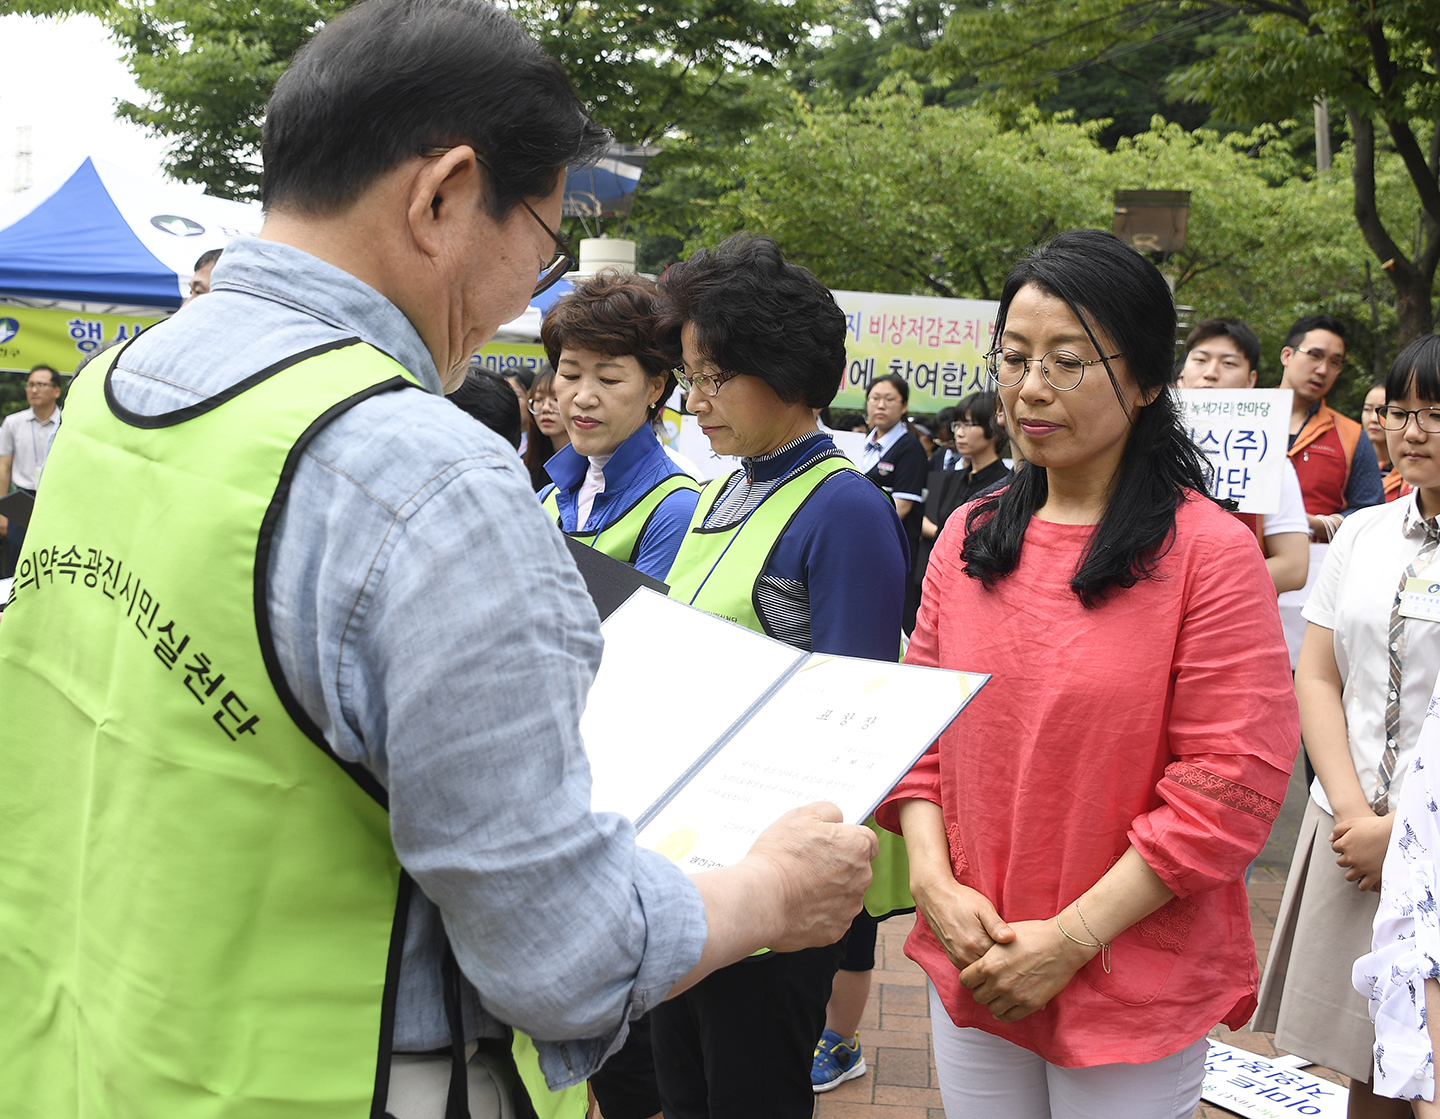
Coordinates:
620	539
201	912
719	570
197	898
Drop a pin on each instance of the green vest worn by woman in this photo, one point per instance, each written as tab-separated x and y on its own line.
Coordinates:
620	539
201	912
719	570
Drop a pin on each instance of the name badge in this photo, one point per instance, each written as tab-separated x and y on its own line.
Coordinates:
885	467
1420	599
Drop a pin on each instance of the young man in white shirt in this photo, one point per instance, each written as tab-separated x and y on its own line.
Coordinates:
25	439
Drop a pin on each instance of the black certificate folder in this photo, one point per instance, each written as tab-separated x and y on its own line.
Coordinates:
609	581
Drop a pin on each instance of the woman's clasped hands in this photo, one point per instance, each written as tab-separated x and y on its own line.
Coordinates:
1014	970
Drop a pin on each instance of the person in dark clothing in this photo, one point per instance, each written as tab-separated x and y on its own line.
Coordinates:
981	440
550	435
945	456
896	462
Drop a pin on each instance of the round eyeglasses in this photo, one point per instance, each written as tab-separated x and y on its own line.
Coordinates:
540	404
708	383
1061	369
1393	418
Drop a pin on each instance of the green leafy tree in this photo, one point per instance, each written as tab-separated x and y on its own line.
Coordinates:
697	69
1377	61
919	199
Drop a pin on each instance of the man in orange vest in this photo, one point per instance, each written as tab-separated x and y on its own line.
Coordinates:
1336	464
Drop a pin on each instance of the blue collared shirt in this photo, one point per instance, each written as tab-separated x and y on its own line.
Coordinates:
429	619
638	465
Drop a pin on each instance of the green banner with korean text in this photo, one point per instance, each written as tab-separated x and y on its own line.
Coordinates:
32	336
937	345
500	357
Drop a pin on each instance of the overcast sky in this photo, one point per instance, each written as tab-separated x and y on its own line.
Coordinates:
61	78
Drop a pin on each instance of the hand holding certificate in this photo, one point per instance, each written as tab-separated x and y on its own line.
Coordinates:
769	729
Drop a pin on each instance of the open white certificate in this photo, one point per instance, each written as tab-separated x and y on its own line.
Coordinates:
760	728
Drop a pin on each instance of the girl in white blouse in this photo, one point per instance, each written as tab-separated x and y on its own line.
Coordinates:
1399	976
1366	670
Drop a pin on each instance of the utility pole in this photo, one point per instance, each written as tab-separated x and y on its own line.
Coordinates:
1322	133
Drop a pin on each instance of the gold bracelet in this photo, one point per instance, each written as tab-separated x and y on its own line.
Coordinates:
1067	936
1104	945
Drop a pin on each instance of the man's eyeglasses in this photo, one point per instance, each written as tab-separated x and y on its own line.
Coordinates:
1333	362
564	257
1062	370
708	383
540	404
1393	418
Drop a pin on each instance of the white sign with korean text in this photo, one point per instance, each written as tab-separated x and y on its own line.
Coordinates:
692	443
1245	434
1258	1088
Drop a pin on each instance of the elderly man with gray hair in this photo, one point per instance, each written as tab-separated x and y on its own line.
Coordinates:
283	830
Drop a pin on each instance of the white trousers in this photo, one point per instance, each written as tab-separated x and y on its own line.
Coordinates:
420	1086
986	1077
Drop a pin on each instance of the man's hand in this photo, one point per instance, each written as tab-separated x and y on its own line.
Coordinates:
963	921
1018	978
821	868
1359	844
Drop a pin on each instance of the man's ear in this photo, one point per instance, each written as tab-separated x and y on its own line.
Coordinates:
443	189
1254	374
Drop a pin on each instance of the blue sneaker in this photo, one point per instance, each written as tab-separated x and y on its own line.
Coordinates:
836	1061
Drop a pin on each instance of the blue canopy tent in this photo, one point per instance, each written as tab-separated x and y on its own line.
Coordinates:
101	236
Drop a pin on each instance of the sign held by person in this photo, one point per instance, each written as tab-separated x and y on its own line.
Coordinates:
1245	435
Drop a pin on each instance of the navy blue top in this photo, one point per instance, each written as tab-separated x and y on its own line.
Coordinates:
638	465
847	549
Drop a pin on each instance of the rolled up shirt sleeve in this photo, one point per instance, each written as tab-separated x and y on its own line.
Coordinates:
468	650
1233	728
556	917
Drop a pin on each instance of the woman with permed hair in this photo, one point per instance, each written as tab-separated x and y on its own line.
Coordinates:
615	487
1078	838
800	546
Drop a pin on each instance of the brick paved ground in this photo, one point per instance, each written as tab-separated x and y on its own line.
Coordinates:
895	1031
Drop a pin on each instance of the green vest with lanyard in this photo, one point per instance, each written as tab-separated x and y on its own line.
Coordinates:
719	570
620	539
201	912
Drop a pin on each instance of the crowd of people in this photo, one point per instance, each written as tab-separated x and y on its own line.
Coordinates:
320	839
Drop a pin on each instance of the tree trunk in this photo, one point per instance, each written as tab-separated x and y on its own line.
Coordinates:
1413	285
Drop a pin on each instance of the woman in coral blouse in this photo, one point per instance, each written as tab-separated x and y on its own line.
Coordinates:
1078	837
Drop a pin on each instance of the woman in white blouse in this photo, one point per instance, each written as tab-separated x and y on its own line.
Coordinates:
1366	670
1399	976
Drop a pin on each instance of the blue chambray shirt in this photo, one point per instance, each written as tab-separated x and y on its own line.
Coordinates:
429	619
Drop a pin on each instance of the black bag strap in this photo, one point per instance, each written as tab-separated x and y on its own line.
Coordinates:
457	1106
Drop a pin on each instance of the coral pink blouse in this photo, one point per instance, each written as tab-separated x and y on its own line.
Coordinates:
1164	718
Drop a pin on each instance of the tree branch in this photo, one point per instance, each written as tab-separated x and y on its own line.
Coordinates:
1405	142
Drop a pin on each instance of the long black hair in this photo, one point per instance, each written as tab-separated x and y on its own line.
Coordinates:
1115	291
